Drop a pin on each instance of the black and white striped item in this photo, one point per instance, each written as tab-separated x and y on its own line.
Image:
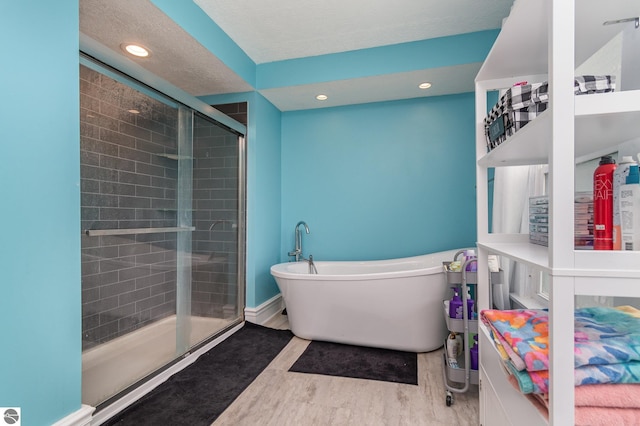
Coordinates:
521	104
518	106
527	95
587	84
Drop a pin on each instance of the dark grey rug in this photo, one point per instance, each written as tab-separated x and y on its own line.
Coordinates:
198	394
334	359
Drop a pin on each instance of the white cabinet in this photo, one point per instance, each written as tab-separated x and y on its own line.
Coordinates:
546	40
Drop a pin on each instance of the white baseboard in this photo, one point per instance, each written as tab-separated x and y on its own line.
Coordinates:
82	417
128	399
267	310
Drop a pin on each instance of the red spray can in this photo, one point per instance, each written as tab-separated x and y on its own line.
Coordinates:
603	204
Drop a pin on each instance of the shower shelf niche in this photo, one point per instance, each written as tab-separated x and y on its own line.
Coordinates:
132	231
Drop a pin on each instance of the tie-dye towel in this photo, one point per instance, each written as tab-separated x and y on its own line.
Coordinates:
602	336
606	336
607	346
523	333
538	381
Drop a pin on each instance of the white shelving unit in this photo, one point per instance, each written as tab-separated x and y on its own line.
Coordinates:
545	40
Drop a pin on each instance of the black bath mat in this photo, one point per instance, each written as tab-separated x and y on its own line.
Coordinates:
198	394
334	359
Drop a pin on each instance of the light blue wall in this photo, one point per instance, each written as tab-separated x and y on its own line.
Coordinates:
263	193
380	180
40	320
264	204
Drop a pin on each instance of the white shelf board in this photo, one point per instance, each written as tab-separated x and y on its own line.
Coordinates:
530	145
522	45
524	252
608	263
602	121
602	286
601	265
606	120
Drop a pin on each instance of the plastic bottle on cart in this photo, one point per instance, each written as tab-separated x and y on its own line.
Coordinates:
468	255
630	210
453	346
470	304
603	204
455	304
619	179
474	353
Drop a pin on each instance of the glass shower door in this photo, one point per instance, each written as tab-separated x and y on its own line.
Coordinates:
217	257
160	252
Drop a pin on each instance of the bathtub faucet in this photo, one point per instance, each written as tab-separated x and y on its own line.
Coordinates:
297	252
312	266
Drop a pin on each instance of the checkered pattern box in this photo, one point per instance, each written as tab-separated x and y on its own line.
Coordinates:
522	103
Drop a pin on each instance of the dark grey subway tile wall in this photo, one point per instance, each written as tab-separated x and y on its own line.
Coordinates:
215	206
129	180
127	281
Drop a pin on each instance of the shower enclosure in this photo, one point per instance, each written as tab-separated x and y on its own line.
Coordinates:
162	198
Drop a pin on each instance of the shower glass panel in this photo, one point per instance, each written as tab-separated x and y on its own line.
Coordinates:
160	191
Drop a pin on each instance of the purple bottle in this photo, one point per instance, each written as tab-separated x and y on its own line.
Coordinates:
468	255
455	305
470	304
474	353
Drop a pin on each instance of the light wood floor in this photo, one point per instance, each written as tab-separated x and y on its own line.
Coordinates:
279	397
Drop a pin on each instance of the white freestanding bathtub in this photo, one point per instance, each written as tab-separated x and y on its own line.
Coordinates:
392	304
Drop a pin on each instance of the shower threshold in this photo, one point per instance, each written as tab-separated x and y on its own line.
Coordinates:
110	368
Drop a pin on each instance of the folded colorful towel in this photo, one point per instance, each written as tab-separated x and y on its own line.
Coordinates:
602	336
629	310
606	336
506	352
526	332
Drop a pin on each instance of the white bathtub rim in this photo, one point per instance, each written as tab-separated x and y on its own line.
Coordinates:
354	277
282	270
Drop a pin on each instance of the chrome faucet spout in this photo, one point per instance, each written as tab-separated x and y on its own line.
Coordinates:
306	228
297	251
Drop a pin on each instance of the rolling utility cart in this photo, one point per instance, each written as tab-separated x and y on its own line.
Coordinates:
461	372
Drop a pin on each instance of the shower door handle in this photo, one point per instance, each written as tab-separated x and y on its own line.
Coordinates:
132	231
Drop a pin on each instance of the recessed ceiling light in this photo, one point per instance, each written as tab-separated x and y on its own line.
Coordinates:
133	111
424	85
135	50
322	97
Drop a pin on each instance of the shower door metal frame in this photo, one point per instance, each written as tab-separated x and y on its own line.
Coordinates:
100	59
184	241
242	215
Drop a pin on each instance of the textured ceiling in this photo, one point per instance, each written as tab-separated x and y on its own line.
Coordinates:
274	30
176	56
